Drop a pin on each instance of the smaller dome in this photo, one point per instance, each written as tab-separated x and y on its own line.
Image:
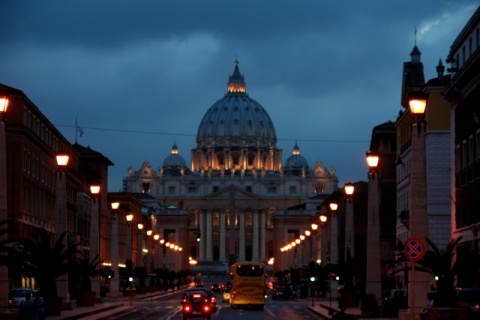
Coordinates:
296	164
174	164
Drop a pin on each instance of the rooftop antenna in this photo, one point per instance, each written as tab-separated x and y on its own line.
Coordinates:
415	35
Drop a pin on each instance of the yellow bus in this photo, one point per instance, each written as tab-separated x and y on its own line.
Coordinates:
248	284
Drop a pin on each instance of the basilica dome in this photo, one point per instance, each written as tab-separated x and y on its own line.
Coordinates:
296	164
174	163
236	120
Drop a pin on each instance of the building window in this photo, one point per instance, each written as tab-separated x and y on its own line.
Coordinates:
458	157
464	154
293	189
319	189
192	189
272	189
477	145
470	150
215	188
171	190
248	188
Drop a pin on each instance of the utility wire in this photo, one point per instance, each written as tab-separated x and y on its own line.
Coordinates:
193	135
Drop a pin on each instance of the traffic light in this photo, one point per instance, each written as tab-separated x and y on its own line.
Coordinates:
198	236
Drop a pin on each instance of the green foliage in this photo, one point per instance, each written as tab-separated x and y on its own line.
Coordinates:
84	270
44	261
441	263
6	243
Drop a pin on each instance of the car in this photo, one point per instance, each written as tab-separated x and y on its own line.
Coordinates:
196	304
215	287
470	297
280	292
198	284
393	300
17	295
212	299
226	295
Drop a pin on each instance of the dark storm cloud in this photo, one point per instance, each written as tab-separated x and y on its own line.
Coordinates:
143	73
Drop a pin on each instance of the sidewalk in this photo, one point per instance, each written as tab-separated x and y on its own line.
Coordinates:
322	308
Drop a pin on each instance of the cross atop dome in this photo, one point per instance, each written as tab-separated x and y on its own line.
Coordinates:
236	82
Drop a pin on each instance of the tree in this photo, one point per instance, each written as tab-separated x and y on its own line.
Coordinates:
440	263
44	261
85	270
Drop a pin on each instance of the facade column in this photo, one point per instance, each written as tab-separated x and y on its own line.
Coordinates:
201	251
263	244
241	237
255	236
209	235
223	239
231	229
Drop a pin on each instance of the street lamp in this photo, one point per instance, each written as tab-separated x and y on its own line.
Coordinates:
114	286
349	228
95	233
334	236
3	199
61	217
418	286
373	276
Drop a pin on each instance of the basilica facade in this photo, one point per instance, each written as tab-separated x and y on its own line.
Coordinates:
237	190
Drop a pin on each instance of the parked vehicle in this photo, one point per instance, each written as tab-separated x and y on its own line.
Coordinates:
470	297
196	304
17	295
280	292
215	287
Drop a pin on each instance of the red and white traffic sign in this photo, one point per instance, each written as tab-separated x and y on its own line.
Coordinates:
414	249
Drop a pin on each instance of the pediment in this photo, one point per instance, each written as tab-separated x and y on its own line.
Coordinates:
225	193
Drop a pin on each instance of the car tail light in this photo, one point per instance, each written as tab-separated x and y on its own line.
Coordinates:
233	293
214	299
187	308
206	308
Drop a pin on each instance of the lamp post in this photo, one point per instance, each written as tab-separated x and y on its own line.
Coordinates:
61	217
114	282
163	253
3	198
156	247
373	277
128	254
95	234
349	228
418	285
334	236
313	239
139	245
149	248
323	226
